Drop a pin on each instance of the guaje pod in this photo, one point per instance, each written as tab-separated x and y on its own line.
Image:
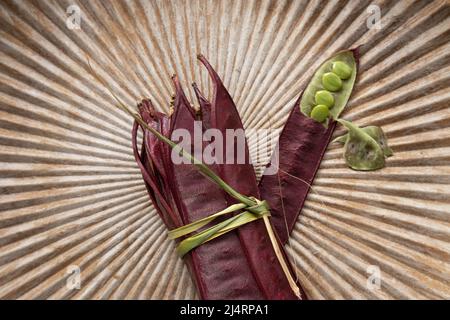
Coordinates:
301	146
219	268
240	264
241	176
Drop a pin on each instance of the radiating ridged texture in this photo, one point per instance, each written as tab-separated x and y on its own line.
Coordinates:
71	193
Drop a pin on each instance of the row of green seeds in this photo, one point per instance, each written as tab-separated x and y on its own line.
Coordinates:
331	81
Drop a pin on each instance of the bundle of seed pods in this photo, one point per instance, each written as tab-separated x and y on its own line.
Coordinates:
243	263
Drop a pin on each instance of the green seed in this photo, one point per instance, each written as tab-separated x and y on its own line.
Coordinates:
331	82
342	70
320	113
344	87
324	97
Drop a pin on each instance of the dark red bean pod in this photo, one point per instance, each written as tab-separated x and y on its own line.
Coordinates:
301	146
220	267
241	176
154	187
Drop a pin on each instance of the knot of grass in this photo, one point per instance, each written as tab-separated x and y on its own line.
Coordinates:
261	207
248	213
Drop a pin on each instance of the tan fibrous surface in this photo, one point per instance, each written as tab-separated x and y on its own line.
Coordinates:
71	194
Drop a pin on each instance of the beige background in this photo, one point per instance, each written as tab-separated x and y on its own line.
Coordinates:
71	193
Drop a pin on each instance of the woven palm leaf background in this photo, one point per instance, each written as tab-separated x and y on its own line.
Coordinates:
72	198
